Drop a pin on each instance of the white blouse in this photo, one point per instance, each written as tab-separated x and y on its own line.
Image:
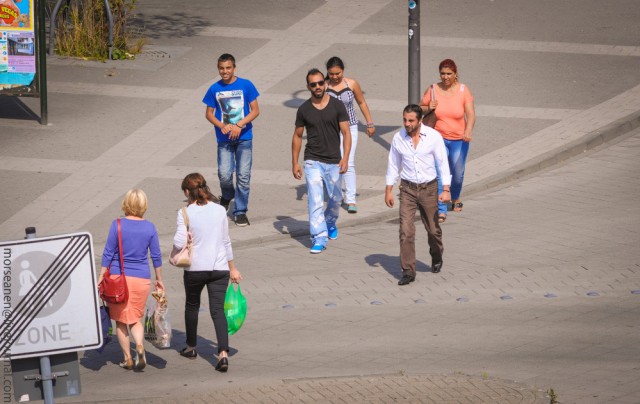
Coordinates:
209	228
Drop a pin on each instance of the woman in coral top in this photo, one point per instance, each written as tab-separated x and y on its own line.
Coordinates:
452	104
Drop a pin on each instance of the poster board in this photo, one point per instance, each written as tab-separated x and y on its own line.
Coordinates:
17	47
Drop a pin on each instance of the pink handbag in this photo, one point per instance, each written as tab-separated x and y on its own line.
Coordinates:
430	119
181	257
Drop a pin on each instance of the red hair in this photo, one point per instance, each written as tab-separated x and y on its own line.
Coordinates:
450	64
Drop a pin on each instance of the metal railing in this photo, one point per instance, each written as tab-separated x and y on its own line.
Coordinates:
52	30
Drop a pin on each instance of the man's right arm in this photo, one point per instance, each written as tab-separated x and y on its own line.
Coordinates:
211	117
388	196
393	172
296	145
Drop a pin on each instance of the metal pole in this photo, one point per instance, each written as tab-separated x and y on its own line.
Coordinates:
414	51
42	64
52	28
110	17
46	378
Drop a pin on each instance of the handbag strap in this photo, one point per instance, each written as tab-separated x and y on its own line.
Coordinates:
120	251
185	217
433	92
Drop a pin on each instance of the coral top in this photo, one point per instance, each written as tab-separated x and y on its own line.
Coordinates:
450	111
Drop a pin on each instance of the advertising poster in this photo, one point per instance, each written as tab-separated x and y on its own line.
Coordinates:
17	44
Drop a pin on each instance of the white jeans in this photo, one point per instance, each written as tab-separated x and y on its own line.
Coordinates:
350	175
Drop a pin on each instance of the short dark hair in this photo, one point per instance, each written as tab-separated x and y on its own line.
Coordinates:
226	57
413	108
313	72
335	61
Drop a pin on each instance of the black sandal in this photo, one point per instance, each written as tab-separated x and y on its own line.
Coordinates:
442	217
457	206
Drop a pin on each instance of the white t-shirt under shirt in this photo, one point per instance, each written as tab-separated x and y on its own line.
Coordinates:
210	231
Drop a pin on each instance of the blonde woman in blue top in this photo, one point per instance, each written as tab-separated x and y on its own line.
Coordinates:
348	90
139	241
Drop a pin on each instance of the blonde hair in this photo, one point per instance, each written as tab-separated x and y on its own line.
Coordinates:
134	203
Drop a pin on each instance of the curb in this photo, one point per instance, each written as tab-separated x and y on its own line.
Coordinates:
574	148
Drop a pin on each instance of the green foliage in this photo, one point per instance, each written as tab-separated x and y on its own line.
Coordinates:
83	30
553	397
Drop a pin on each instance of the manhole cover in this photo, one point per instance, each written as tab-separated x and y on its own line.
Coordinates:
155	54
162	52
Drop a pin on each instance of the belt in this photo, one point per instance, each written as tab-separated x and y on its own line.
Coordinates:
413	185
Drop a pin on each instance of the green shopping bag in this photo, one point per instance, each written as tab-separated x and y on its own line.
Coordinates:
235	308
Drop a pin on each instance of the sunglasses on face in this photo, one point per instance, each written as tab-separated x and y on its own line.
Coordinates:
316	83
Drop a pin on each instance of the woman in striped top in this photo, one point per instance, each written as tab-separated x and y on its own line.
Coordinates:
347	90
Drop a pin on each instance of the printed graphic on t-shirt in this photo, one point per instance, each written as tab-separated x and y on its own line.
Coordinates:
231	105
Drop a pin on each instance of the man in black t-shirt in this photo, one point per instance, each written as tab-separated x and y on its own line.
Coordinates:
324	118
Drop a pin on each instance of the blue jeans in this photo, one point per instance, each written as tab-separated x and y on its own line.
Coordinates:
320	176
457	151
235	156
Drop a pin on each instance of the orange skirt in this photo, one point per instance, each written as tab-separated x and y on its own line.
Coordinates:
133	310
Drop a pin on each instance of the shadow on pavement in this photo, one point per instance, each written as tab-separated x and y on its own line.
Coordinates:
177	25
380	130
391	264
295	228
13	108
112	355
301	191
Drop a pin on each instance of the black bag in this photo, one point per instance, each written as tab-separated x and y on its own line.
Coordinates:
107	330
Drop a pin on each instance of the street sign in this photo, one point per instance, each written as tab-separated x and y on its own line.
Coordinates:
49	298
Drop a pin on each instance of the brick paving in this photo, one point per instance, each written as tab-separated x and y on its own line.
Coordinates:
541	283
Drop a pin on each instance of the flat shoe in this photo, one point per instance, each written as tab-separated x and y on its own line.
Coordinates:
436	266
406	279
223	365
441	218
192	354
126	364
141	359
352	209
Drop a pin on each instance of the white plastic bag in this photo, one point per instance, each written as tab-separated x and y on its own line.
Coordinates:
157	326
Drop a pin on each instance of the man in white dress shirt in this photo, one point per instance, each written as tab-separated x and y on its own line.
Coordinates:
417	155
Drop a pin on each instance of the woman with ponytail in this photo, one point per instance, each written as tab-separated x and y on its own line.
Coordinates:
211	263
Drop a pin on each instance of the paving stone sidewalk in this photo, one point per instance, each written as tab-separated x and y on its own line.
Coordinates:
533	295
428	389
541	283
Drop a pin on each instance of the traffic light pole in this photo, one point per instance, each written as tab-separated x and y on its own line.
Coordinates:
414	51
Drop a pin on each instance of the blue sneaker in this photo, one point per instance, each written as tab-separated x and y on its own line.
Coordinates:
317	248
332	232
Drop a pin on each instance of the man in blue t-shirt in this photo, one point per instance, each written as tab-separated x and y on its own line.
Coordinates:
232	104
